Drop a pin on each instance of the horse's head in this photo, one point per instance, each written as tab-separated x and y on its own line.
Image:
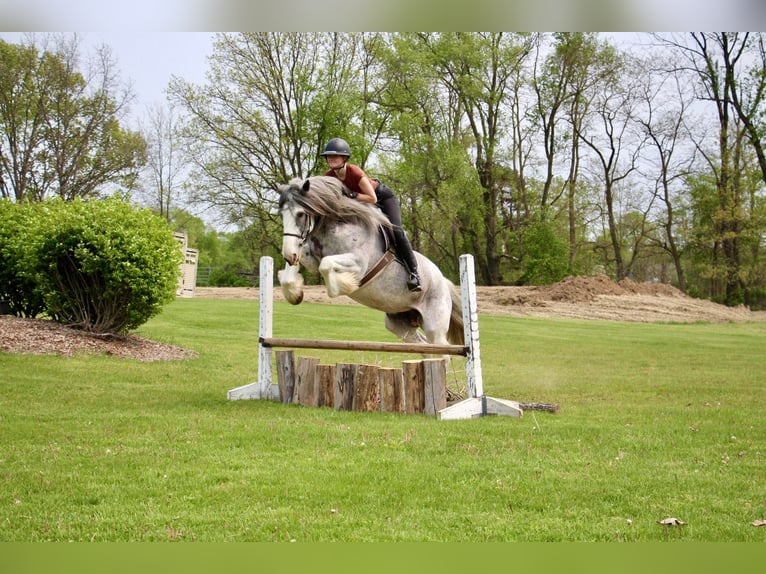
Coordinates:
313	205
297	220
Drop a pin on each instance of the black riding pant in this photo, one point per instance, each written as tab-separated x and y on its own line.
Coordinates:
389	205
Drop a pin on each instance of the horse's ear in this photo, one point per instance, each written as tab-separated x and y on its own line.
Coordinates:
306	185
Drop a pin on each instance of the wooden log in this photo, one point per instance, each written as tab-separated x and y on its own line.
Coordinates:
366	389
285	375
549	407
435	385
414	386
306	381
422	348
326	378
343	395
391	390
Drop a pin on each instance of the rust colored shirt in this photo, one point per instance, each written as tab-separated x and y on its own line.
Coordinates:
354	175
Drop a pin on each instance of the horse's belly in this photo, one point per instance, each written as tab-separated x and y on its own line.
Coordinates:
382	301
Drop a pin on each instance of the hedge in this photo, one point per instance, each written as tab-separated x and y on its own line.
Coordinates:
101	265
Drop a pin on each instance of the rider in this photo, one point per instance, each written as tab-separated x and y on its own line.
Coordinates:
367	190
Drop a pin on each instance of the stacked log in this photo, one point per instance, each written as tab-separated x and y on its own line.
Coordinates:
417	387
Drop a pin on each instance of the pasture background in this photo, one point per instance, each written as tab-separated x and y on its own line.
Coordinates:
656	421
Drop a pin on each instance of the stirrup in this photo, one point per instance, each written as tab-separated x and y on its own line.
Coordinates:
413	283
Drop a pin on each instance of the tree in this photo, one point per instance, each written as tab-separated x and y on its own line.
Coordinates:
666	103
431	169
744	61
166	161
615	146
476	70
61	133
713	62
586	62
271	101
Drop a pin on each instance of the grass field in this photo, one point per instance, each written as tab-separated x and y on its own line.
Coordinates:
656	421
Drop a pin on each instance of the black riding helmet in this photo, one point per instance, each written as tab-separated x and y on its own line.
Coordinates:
337	146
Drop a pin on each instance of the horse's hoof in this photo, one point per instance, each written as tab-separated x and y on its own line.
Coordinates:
292	298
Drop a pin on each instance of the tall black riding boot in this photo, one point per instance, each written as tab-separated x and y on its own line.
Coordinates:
405	253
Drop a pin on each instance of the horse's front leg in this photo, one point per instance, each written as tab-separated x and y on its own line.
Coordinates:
342	274
291	281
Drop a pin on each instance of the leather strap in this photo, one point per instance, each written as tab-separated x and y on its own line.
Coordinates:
382	263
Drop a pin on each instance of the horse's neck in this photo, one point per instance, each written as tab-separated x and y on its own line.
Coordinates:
348	237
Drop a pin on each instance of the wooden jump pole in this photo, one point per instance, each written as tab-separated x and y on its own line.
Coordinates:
381	347
476	405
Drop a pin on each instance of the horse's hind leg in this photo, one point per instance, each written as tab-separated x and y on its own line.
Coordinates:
406	326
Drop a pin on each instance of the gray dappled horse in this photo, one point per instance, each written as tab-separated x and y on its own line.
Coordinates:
344	240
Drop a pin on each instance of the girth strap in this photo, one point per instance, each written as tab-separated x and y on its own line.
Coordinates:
382	263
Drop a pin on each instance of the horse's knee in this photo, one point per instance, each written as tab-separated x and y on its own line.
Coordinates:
337	278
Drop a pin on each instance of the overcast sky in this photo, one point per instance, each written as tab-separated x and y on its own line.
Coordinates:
154	39
149	59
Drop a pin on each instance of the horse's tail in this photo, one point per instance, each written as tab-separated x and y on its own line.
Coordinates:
455	333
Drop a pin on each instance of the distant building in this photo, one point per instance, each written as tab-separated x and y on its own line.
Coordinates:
188	279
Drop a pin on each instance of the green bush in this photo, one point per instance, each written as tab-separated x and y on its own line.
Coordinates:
20	228
546	256
104	266
99	266
225	278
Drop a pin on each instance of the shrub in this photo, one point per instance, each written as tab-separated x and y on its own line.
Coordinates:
20	226
545	255
104	266
226	278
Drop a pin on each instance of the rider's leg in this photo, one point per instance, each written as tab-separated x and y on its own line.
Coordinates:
390	206
405	253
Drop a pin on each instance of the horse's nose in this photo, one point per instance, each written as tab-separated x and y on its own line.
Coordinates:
290	257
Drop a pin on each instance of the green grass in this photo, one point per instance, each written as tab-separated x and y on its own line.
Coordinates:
656	421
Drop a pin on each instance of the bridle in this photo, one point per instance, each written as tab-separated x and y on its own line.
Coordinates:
303	236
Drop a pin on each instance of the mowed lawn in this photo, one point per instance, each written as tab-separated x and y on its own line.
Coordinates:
657	421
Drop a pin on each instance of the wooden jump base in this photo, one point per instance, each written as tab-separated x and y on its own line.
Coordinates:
419	386
476	405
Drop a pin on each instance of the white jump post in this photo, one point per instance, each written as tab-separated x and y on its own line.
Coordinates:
263	389
476	405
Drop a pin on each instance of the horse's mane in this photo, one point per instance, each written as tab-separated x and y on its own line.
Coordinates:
325	198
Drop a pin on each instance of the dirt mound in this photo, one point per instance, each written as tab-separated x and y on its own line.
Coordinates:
584	289
650	288
579	289
599	297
